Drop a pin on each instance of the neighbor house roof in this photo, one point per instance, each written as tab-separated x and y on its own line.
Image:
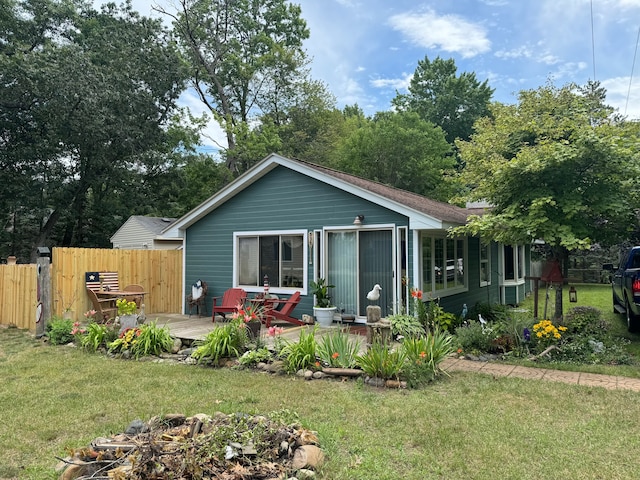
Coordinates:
154	225
423	213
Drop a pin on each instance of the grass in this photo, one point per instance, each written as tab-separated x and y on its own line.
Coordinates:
466	426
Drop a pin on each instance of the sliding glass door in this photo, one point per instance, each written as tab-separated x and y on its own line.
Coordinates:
356	261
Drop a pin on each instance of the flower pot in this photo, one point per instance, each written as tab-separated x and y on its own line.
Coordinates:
324	316
253	328
128	321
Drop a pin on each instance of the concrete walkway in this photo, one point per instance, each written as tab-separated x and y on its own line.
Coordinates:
194	327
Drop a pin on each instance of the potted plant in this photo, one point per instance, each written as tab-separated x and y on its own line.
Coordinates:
323	310
127	314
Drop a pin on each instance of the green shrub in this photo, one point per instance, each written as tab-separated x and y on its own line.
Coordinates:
586	320
379	361
491	312
229	340
407	326
335	349
475	337
251	358
59	331
301	354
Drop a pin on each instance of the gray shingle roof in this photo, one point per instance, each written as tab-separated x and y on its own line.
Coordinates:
443	211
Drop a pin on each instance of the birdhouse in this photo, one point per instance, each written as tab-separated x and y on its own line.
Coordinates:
551	273
573	294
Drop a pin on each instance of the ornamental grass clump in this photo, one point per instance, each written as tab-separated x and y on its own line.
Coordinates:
337	350
226	341
301	355
379	361
98	335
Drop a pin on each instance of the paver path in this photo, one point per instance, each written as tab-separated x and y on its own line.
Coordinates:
578	378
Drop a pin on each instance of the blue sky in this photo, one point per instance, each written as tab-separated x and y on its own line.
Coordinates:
367	50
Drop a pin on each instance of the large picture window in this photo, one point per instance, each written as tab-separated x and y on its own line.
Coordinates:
279	256
443	265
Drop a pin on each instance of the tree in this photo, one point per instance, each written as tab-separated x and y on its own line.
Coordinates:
245	57
84	118
398	149
438	96
558	166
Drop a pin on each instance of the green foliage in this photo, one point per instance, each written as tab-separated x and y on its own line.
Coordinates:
153	340
584	319
579	158
98	335
380	361
452	102
491	312
335	349
475	338
248	60
59	331
405	325
301	354
228	340
98	89
253	357
401	150
126	307
321	291
423	357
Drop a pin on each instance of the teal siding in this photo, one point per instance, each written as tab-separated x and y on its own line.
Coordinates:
281	200
476	293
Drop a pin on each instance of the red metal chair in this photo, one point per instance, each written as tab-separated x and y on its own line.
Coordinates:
229	301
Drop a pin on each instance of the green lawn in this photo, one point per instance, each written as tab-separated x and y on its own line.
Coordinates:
467	426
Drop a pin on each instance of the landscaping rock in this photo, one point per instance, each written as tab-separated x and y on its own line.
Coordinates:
307	456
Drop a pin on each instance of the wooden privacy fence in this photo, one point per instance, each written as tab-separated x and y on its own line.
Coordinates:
18	295
158	271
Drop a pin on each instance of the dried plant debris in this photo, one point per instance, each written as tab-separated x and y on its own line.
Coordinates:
228	447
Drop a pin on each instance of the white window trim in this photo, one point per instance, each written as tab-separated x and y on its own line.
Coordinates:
444	292
488	261
517	249
265	233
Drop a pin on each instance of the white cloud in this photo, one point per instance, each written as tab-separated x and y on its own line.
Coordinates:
520	52
623	98
451	33
401	83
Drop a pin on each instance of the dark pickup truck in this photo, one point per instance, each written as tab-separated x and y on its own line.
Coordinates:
626	288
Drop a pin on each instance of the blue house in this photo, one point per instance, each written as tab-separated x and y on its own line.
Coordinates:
292	222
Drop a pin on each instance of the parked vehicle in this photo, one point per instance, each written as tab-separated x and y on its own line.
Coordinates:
626	288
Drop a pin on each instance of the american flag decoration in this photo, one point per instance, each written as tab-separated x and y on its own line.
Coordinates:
109	281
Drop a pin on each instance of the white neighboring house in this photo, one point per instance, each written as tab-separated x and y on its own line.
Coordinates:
140	232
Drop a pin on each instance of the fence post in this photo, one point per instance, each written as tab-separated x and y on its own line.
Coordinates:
43	308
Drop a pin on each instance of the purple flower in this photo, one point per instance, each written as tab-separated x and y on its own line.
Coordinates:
526	335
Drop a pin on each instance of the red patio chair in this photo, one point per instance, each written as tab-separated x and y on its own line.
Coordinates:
284	313
229	301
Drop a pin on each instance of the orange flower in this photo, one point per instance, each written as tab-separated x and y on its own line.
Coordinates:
423	354
416	294
335	355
